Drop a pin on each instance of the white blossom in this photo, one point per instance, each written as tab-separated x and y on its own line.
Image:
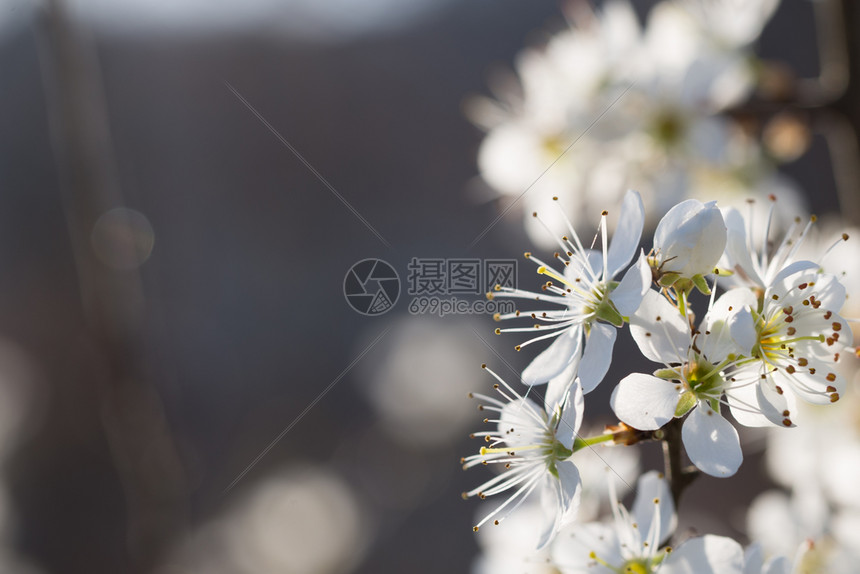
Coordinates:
589	303
534	447
632	543
693	381
794	342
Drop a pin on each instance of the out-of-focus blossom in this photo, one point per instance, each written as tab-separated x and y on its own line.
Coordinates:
608	105
781	524
417	380
306	520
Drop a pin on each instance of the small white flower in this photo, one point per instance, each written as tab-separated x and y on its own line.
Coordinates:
589	304
793	344
631	544
689	240
693	381
534	447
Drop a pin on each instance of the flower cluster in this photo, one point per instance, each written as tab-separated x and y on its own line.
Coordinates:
764	343
612	104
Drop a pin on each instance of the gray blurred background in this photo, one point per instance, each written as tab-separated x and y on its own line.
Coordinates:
148	358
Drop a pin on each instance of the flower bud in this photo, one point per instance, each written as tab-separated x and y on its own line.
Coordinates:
689	240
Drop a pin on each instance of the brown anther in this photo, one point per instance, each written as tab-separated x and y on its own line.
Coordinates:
803	286
828	315
604	213
834	397
789	319
790	369
779	390
788	310
785	413
786	422
791	331
811	370
802	362
837	326
831	377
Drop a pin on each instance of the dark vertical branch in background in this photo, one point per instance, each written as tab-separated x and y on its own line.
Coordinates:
679	476
133	419
847	167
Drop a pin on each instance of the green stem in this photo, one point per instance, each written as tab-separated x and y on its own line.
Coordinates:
581	443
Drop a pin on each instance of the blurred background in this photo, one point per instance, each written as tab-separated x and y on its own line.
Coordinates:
179	190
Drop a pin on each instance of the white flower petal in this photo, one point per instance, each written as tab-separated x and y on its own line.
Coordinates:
571	417
778	565
644	402
652	486
597	355
691	238
570	487
737	250
712	442
753	559
564	351
558	387
755	402
573	547
718	343
625	240
742	327
559	499
706	555
665	340
628	295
